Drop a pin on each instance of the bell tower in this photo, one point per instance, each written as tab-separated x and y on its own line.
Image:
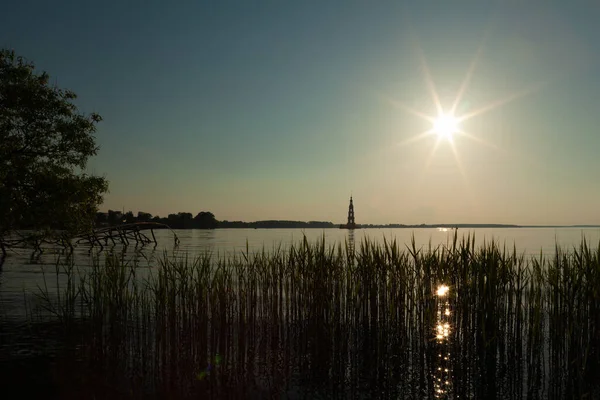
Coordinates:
351	224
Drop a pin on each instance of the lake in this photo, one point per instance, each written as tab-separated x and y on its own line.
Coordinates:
329	334
21	275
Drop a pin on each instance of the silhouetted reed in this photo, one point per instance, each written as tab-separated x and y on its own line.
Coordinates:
381	321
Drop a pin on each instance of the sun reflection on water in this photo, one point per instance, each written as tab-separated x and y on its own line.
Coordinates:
442	372
443	330
442	290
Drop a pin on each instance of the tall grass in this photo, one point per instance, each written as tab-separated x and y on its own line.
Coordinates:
316	321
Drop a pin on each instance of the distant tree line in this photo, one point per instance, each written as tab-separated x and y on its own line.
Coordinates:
202	220
182	220
276	224
207	220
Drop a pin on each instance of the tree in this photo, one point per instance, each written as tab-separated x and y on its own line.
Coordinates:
205	220
45	144
114	217
181	220
143	216
101	218
128	217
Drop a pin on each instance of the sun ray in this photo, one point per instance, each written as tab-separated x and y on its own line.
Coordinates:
479	140
459	164
416	138
467	79
501	102
428	78
471	198
464	175
432	153
409	109
472	68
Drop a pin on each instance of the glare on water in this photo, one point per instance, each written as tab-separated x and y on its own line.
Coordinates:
442	373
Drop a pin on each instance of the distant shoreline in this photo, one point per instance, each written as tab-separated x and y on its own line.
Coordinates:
252	225
207	220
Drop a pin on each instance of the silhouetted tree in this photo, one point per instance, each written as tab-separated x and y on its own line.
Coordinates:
128	218
187	220
44	142
101	218
143	216
114	217
182	220
205	220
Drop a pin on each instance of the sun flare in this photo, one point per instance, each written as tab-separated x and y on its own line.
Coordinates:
445	126
442	290
448	123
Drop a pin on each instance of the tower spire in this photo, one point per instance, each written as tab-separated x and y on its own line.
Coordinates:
351	224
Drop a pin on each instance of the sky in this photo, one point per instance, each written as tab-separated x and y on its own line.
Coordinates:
282	110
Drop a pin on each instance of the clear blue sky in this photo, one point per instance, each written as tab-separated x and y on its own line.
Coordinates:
278	110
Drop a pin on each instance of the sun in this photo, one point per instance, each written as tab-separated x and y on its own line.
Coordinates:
448	124
445	126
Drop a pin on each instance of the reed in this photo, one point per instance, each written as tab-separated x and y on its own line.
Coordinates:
383	320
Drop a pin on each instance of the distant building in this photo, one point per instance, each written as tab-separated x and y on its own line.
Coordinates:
351	224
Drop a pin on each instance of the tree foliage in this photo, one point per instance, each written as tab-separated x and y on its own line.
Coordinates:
45	144
205	219
181	220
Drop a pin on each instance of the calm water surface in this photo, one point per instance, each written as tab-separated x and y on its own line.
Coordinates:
348	352
21	275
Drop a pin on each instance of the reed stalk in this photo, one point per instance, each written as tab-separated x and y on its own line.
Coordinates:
314	320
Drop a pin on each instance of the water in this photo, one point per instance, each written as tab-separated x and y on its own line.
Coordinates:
21	274
347	353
